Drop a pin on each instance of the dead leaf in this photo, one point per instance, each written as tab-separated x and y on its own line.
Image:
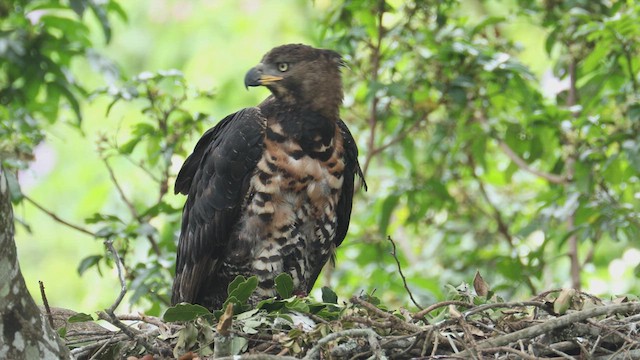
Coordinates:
564	301
225	321
481	287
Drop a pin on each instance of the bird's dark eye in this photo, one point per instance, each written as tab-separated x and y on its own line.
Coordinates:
283	66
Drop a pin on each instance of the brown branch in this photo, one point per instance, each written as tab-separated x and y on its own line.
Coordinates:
394	319
57	218
520	162
503	228
130	206
404	279
45	302
375	68
484	307
423	313
553	324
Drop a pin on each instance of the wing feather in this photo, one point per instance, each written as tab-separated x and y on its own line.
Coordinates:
215	177
351	169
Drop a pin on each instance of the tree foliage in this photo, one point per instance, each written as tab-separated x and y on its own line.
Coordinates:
481	165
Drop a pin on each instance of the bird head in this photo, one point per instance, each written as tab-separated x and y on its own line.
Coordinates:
300	75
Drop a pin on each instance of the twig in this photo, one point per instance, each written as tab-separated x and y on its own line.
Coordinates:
552	324
368	333
404	279
130	206
45	302
375	69
503	228
386	315
57	218
484	307
120	267
521	354
521	163
116	183
102	348
423	313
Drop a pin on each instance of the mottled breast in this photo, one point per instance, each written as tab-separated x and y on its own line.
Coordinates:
290	220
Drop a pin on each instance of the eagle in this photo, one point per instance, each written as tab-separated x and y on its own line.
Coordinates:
269	188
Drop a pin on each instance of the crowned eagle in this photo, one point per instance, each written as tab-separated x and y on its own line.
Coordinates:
269	188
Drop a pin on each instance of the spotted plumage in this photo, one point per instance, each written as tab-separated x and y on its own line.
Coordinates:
269	188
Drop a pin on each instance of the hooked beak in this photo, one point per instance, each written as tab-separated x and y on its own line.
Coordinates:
257	77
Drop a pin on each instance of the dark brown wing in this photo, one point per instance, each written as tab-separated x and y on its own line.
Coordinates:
351	169
216	178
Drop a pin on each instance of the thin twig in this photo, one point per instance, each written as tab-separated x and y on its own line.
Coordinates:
57	218
521	163
421	314
556	323
129	204
484	307
368	333
404	279
120	267
45	302
394	319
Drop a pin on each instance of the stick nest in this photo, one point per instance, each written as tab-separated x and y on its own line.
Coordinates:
558	324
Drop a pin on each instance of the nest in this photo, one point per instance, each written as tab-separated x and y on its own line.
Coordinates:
558	324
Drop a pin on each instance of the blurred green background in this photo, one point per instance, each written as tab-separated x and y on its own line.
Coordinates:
444	192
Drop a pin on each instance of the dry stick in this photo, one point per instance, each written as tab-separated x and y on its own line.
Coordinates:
368	333
46	304
257	357
521	354
57	218
552	324
484	307
109	314
386	315
421	314
404	280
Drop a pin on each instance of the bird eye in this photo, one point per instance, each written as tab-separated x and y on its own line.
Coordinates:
283	66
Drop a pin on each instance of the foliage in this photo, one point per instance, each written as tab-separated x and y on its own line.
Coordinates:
475	162
39	40
150	147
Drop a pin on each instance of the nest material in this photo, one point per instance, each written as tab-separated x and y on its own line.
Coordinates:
573	326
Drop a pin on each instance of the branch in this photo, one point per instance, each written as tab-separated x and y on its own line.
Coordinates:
552	178
45	302
521	163
503	228
375	68
132	208
57	218
423	313
553	324
404	280
371	336
120	267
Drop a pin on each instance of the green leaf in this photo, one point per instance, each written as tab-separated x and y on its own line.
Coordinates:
329	296
243	289
80	317
62	332
88	262
284	285
128	147
388	205
185	312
